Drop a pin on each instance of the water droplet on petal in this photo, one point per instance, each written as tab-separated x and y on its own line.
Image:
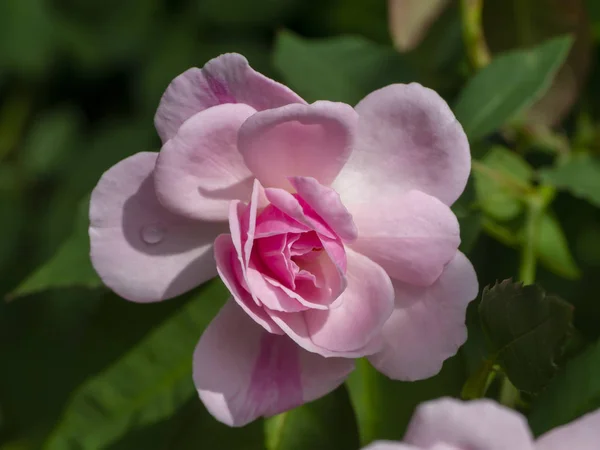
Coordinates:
153	234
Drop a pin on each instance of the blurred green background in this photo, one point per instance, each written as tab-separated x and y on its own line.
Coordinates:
79	84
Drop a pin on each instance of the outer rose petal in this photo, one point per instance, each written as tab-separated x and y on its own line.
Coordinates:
327	204
142	251
476	425
225	79
408	138
412	237
428	324
353	322
199	171
582	434
389	445
243	372
298	140
226	256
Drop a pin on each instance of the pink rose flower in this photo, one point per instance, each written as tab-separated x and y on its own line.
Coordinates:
330	225
448	424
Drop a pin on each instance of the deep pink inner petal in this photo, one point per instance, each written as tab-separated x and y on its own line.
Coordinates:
290	257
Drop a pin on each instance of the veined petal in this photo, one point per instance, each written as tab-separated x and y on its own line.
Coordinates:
242	372
225	79
141	250
200	170
412	236
408	139
479	424
428	323
298	140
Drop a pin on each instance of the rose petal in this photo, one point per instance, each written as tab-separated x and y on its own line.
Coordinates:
199	171
226	257
408	139
582	434
298	140
353	322
142	251
327	204
389	445
428	323
298	210
360	312
412	236
480	424
273	221
225	79
242	372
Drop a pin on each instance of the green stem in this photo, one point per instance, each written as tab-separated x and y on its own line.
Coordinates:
528	253
509	394
473	37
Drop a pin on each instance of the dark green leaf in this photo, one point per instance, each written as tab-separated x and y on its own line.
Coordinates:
580	176
325	424
384	407
574	391
469	217
69	267
526	330
51	139
27	37
508	85
339	69
147	385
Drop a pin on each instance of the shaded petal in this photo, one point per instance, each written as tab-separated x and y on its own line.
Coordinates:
328	205
298	210
298	140
479	424
225	79
242	372
428	323
352	325
142	251
408	138
227	258
412	236
582	434
199	171
359	313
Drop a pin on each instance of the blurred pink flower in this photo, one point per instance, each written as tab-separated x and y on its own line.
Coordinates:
341	242
448	424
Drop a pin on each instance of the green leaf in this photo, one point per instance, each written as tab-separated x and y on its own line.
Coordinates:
325	424
69	267
508	85
573	392
531	22
51	139
500	179
341	69
526	330
553	249
580	176
147	385
384	407
27	36
469	217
